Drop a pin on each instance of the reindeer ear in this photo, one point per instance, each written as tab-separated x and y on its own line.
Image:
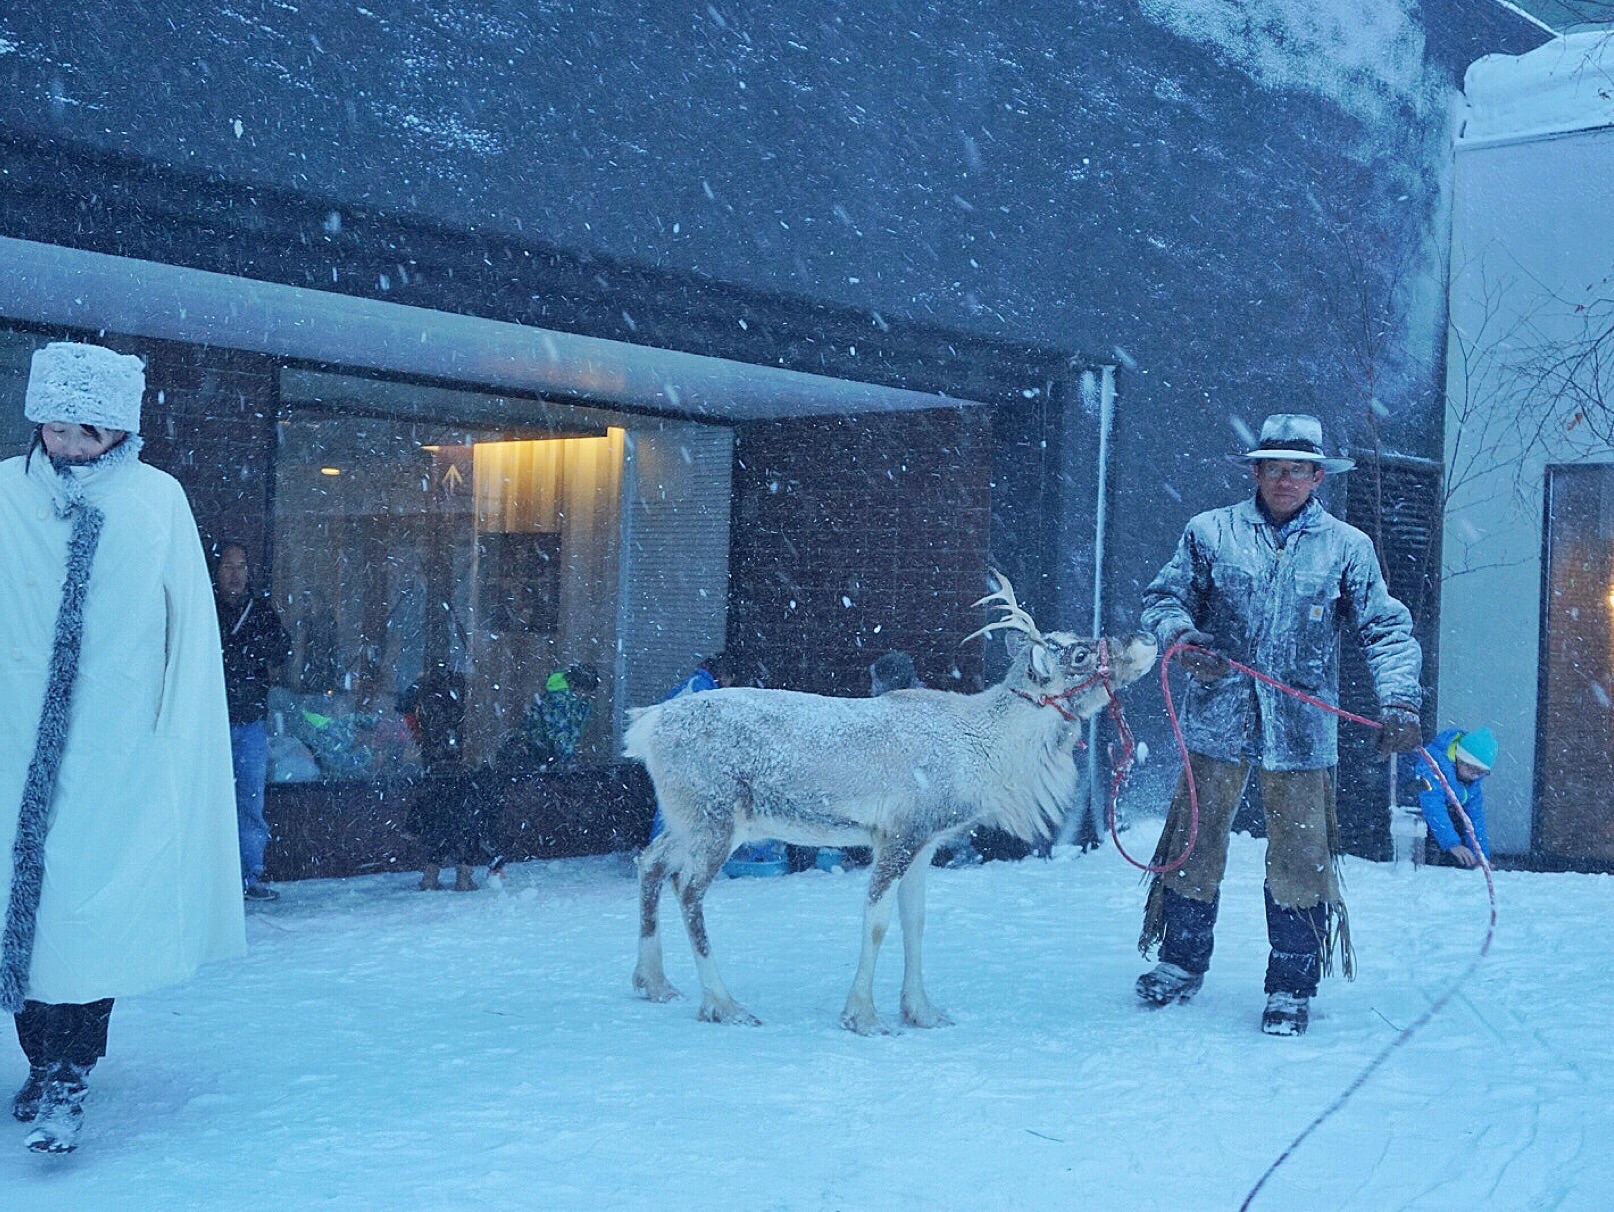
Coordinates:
1040	664
1016	640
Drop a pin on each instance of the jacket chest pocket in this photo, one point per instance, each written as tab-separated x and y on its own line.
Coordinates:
1316	618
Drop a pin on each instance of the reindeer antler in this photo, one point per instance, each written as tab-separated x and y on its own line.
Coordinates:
1014	617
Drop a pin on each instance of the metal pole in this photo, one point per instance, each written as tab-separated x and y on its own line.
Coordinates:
1090	821
1106	420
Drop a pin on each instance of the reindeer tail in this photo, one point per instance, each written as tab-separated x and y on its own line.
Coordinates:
641	731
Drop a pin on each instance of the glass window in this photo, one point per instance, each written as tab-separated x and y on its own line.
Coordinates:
433	538
1577	724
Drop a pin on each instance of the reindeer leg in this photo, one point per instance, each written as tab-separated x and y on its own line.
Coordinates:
916	1008
649	978
891	860
706	860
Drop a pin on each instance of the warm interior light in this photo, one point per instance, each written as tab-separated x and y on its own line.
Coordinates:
431	448
330	471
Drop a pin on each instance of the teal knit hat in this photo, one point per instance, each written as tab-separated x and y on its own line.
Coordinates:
1477	748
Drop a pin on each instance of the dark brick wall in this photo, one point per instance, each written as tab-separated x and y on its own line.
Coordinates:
326	830
855	535
209	421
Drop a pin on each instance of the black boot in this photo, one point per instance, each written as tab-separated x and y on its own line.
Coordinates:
61	1110
1167	983
1286	1014
25	1103
1185	951
1294	965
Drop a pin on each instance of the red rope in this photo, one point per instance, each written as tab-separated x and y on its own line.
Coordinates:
1128	748
1439	1003
1412	1028
1182	747
1124	766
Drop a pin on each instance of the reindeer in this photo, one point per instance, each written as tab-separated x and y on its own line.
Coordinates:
902	773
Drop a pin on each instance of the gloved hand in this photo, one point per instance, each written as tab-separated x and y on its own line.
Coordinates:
1206	666
1402	731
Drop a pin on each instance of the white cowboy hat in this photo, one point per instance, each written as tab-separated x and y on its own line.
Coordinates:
1296	436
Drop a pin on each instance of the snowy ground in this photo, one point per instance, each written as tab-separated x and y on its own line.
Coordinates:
385	1049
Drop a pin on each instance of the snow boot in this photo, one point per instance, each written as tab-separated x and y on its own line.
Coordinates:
61	1110
1286	1014
25	1103
428	878
1168	983
462	878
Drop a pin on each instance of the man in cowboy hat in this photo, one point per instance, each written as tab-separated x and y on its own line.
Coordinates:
1270	582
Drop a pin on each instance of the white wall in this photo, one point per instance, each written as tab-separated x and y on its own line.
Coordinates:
1533	229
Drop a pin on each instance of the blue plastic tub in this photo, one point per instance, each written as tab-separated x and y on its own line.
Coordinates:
738	868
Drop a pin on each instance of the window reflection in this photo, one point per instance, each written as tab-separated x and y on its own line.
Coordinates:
406	548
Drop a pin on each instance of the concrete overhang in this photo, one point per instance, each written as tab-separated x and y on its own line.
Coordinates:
75	288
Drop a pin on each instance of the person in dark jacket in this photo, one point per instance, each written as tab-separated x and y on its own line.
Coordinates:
1465	759
445	815
892	671
254	644
1271	582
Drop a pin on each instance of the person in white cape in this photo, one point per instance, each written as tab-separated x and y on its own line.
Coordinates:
119	867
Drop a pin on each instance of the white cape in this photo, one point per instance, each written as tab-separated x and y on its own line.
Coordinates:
142	877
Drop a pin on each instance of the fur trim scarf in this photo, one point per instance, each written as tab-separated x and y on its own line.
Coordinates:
50	737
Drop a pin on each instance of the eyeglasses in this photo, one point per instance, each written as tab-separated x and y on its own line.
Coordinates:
1293	471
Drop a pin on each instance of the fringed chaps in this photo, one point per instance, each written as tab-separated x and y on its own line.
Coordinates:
50	740
1291	874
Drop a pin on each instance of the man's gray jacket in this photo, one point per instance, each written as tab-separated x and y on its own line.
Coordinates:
1279	609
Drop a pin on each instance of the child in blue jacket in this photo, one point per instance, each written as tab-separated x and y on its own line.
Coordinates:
1465	758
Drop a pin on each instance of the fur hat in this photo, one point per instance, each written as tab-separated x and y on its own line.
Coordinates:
85	385
1296	436
1477	748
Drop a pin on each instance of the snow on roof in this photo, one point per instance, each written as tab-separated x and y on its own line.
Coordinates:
1358	53
1566	85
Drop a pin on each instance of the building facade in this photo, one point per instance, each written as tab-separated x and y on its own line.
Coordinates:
1527	615
507	338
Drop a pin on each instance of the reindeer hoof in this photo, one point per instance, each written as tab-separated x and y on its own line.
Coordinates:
926	1016
661	990
864	1023
727	1011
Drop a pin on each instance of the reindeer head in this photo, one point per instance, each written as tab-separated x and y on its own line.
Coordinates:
1059	666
